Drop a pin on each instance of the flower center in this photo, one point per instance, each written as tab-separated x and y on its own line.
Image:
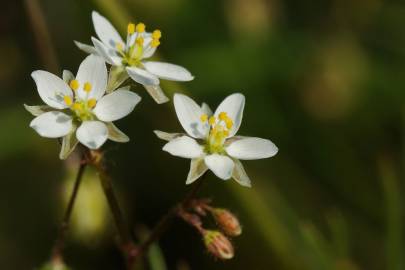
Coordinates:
133	52
82	108
219	131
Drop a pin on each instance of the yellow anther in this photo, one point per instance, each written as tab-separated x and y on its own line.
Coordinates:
223	116
68	100
226	133
156	34
140	28
119	46
77	106
155	43
212	120
87	87
131	28
91	103
204	118
228	123
74	84
139	41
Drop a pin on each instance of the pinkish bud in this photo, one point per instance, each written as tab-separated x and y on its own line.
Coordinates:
218	245
227	221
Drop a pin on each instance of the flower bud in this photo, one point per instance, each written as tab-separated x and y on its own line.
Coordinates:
227	221
218	245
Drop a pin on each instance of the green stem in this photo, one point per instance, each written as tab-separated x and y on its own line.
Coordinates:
60	240
127	244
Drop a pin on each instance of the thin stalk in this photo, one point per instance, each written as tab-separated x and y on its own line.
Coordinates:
127	244
42	35
165	221
60	240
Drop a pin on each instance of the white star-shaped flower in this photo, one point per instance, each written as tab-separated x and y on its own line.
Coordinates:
210	141
128	57
77	108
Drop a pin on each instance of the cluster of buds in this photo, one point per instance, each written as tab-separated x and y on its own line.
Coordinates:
216	241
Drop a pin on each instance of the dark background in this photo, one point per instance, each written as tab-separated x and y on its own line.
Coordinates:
324	80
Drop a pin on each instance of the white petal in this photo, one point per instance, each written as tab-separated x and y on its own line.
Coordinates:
51	88
52	124
168	71
239	174
251	148
185	147
206	109
197	168
86	48
148	51
233	105
67	76
92	134
142	76
221	166
189	114
108	54
105	31
94	71
116	105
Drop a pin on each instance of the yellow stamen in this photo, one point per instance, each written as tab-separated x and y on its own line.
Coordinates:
140	28
223	116
68	100
91	102
74	84
87	87
226	133
212	120
204	118
77	106
155	43
131	28
229	123
139	41
156	34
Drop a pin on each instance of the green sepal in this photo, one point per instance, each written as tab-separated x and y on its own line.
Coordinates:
167	136
116	135
37	110
239	174
197	168
156	93
118	75
69	143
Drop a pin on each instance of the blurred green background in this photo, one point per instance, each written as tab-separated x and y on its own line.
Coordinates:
323	80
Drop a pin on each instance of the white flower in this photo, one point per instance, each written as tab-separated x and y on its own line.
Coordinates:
129	56
78	106
210	141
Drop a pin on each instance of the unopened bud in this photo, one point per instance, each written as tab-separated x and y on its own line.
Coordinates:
218	245
227	221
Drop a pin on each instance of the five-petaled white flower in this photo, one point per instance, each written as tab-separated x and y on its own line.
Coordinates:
77	108
127	58
211	143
